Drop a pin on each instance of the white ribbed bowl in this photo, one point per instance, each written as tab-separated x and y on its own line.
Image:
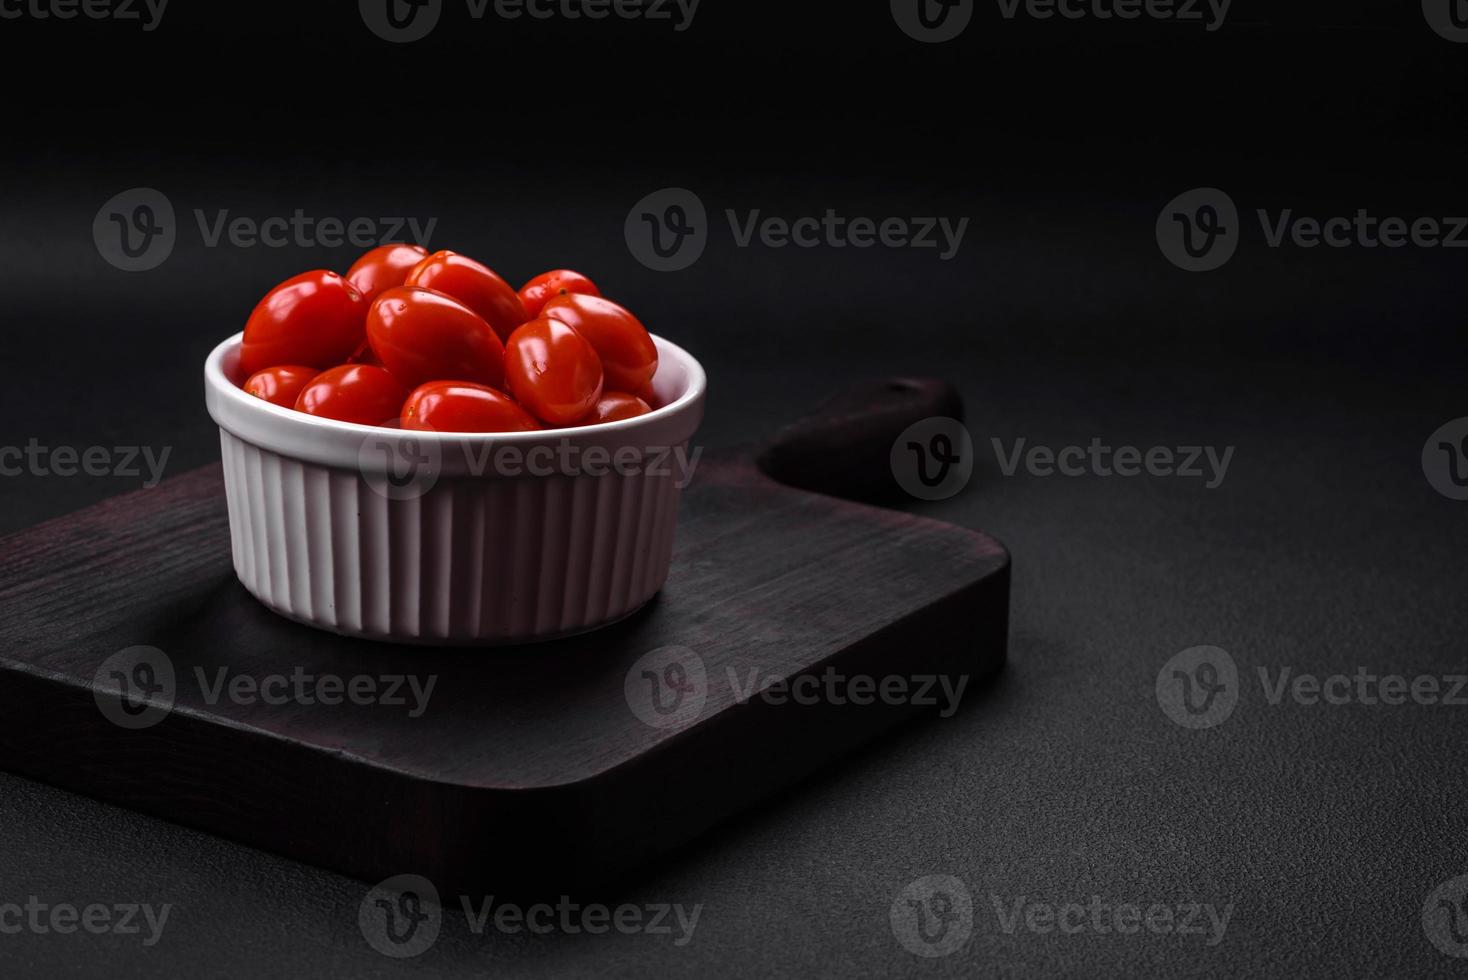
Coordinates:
431	537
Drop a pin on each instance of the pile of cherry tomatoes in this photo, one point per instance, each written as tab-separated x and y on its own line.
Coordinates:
442	343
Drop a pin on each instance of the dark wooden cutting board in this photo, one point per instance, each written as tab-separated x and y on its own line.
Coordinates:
544	767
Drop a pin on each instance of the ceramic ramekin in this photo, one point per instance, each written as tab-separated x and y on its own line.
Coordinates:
453	538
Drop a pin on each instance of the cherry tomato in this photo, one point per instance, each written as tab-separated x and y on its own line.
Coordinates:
614	406
552	371
280	385
383	268
621	341
476	286
548	285
315	319
358	393
461	406
421	335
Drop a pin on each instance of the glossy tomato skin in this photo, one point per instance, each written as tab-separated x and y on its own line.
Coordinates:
548	285
475	285
385	267
315	319
280	385
421	335
461	406
614	406
553	371
361	393
627	352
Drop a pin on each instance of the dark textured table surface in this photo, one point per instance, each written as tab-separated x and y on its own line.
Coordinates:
1301	839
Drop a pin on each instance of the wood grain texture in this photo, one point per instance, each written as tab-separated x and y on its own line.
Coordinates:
529	770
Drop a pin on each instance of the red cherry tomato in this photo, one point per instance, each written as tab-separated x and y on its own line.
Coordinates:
421	335
384	268
460	406
553	371
358	393
627	352
614	406
548	285
476	286
315	319
280	385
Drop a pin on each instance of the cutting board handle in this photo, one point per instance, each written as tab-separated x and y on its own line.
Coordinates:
843	448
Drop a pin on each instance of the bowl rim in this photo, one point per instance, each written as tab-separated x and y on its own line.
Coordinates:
220	386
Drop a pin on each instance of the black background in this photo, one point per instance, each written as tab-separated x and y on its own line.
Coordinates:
1060	319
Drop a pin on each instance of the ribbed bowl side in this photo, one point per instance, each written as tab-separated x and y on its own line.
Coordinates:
472	560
